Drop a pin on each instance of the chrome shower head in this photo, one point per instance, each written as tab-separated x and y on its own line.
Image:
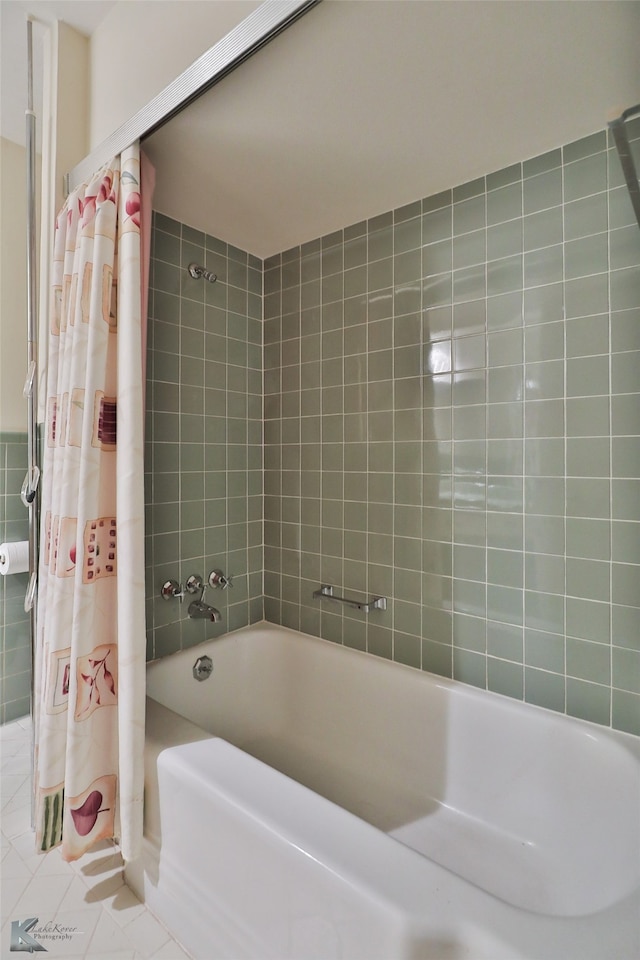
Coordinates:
197	271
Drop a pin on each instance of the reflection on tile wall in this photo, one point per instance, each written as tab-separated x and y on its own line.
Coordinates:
203	459
451	420
14	622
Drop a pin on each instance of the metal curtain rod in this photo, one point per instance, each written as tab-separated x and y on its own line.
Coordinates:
249	36
619	132
30	486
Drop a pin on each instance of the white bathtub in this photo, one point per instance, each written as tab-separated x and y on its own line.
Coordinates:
318	802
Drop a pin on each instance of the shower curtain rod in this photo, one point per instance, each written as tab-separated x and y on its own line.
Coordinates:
270	19
30	496
619	133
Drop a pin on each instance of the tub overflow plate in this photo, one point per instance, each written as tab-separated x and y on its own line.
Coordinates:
203	668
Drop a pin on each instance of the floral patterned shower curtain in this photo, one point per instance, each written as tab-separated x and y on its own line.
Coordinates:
90	660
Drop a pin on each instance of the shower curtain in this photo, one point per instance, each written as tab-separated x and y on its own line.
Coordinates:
90	657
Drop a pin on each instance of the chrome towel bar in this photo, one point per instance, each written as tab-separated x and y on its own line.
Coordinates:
374	603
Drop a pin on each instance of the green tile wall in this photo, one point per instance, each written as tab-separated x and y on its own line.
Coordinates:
452	416
203	457
14	622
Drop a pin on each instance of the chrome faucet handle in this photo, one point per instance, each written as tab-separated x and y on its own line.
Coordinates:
218	580
194	583
172	590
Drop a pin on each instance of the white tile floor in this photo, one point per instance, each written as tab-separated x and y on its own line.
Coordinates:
103	917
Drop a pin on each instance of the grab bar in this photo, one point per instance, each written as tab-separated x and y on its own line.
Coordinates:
375	603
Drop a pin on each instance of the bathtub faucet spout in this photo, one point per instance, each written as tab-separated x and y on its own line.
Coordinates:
202	611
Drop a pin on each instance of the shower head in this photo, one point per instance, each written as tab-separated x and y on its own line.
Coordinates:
196	271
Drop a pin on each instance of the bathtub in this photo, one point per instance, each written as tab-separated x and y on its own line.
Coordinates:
309	801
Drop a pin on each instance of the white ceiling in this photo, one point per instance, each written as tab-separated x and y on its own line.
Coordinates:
83	16
364	105
361	107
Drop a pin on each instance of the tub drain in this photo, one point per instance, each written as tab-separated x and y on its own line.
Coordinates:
203	668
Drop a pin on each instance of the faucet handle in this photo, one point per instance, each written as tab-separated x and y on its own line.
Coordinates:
171	589
194	583
218	580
